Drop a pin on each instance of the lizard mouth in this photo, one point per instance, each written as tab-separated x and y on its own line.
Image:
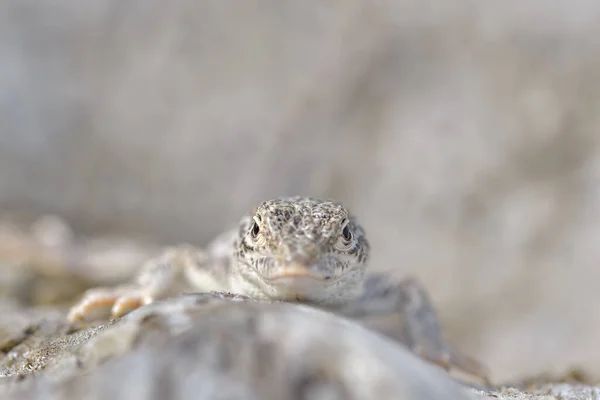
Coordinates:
297	273
300	282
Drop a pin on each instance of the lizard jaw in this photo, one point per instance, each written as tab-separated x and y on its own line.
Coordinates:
289	273
299	282
297	272
301	289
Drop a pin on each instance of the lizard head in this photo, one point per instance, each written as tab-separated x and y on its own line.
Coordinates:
302	249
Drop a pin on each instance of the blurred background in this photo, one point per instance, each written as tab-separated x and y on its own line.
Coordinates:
464	134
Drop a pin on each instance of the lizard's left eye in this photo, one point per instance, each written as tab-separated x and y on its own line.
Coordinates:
254	230
347	233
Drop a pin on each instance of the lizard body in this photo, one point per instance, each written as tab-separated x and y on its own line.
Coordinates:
295	249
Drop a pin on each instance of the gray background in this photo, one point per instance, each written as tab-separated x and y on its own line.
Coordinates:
463	133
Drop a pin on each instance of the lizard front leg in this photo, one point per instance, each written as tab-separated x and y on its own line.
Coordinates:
421	331
157	278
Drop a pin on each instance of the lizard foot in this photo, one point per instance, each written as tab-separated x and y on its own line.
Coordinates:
419	326
121	299
448	358
424	336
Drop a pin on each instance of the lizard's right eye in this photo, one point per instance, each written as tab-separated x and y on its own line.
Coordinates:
254	230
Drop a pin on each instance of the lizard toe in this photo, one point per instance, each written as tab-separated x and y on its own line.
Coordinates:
120	300
128	303
92	300
448	358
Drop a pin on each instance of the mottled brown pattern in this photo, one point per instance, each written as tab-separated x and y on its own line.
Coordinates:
306	231
304	227
295	249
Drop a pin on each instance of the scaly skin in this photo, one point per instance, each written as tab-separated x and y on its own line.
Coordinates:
296	249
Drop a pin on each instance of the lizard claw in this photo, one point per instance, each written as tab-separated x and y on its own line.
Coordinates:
121	299
449	358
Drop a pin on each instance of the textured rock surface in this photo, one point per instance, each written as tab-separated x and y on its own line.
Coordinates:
202	347
218	346
465	134
547	392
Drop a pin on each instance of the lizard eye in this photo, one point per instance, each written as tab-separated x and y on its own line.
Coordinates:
254	230
347	233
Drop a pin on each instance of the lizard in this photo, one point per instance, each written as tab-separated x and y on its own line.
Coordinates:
291	249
